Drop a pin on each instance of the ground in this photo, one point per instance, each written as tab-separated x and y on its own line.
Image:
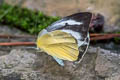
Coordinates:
22	63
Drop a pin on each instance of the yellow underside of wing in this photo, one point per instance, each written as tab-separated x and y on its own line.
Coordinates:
59	44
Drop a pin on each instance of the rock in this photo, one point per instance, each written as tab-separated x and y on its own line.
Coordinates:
14	63
111	28
21	64
116	77
17	59
107	63
9	30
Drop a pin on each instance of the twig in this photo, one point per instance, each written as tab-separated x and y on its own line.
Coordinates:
92	38
105	36
17	43
16	36
96	34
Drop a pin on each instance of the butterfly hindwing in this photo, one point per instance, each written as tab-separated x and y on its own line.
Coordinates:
59	44
59	61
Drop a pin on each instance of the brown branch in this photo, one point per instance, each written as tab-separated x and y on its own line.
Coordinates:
92	38
104	36
95	34
17	43
15	36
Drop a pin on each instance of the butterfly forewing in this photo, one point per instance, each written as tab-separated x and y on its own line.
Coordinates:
78	22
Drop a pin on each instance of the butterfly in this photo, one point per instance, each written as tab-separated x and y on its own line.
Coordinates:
67	38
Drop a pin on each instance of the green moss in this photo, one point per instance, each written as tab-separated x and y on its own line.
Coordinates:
25	19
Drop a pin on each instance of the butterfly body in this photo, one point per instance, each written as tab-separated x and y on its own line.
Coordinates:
66	39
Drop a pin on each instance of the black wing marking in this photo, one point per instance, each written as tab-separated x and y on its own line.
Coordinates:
82	17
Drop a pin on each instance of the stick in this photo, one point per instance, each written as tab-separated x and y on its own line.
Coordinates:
93	37
106	36
16	36
95	34
17	43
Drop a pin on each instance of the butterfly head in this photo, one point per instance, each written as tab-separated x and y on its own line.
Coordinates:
97	23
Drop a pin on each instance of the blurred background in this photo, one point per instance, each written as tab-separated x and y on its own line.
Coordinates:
22	20
109	9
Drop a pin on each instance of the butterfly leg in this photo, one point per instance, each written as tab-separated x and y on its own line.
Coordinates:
59	61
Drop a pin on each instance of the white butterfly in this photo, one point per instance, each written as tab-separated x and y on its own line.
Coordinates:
66	39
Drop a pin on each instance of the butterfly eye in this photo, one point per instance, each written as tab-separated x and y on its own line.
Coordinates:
66	24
